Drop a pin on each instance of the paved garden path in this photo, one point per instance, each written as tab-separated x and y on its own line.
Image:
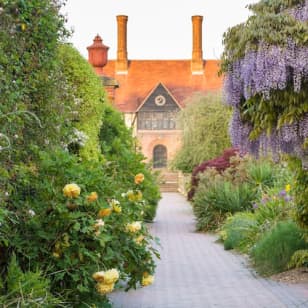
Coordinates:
196	272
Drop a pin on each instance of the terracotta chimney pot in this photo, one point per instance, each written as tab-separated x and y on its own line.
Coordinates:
98	53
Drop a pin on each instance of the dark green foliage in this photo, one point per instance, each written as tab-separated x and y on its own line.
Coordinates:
46	93
256	109
211	204
31	84
85	96
273	252
125	160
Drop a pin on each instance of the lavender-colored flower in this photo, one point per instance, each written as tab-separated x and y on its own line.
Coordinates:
255	206
260	71
288	198
282	193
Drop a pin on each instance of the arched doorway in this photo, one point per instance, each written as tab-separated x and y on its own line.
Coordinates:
159	156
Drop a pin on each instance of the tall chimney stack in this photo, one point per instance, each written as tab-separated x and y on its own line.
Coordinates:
197	57
122	62
98	54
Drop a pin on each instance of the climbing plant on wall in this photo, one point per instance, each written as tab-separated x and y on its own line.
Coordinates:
265	62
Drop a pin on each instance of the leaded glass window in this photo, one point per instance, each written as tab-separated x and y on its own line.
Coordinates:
157	120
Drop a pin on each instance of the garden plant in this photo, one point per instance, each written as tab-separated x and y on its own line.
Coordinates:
72	215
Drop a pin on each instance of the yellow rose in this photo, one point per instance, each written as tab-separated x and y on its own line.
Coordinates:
115	204
134	226
56	255
104	212
138	195
107	277
103	288
147	279
111	276
288	188
139	178
130	195
71	190
92	197
139	239
98	276
117	208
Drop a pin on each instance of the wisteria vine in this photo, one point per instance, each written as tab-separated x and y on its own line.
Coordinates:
260	72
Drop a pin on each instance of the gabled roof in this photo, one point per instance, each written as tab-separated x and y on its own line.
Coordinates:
158	87
175	75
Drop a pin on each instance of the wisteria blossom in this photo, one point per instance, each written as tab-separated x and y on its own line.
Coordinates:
259	72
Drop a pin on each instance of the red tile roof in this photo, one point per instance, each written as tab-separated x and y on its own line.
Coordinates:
176	75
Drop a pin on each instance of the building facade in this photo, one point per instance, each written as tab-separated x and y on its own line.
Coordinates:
150	93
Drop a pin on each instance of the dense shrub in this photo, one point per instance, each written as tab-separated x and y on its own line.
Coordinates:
32	86
212	204
299	259
273	206
239	231
301	197
64	237
220	163
261	174
95	223
125	160
204	121
85	93
29	289
273	252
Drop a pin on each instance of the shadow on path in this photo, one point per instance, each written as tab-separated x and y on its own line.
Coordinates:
196	272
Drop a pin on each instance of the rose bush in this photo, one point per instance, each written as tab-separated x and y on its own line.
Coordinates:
58	229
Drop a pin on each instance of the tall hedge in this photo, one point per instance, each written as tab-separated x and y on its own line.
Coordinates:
31	86
87	94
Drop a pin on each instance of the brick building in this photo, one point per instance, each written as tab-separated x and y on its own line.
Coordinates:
150	92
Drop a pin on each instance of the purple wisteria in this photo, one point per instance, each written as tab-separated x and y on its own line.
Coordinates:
258	73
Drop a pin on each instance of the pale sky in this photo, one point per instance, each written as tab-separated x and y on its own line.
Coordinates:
156	29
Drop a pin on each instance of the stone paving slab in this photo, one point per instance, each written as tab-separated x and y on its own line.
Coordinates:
196	272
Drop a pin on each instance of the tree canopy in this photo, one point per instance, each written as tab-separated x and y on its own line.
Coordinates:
205	131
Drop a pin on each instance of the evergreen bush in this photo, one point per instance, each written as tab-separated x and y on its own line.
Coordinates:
274	250
239	231
85	93
212	204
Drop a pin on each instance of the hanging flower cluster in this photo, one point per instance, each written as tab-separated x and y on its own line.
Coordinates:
256	86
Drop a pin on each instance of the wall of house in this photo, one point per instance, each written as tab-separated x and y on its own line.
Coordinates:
148	139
